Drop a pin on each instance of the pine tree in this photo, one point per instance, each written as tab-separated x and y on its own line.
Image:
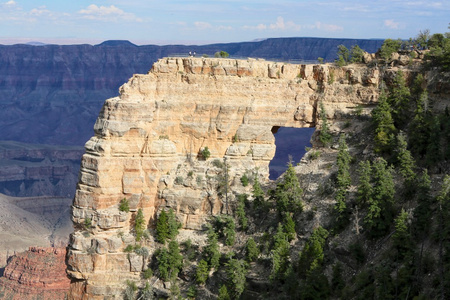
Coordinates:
240	212
236	270
162	228
364	190
384	124
251	250
312	255
399	99
343	181
211	251
405	160
288	193
201	274
258	193
289	227
172	224
379	216
402	240
223	293
175	259
422	212
324	134
139	224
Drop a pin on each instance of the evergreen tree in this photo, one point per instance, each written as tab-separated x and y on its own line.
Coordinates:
289	227
251	250
201	274
236	270
399	99
384	124
343	182
364	190
288	194
419	128
211	251
379	216
172	224
258	193
324	134
312	255
405	160
162	228
433	152
356	54
422	212
343	56
402	240
139	224
223	293
240	212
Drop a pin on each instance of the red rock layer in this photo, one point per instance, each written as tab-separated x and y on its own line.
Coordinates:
39	273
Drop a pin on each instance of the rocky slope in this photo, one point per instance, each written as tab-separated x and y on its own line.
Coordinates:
149	142
38	273
26	222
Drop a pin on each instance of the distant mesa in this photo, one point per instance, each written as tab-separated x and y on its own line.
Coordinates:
117	43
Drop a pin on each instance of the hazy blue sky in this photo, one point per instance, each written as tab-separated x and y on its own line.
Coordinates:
201	22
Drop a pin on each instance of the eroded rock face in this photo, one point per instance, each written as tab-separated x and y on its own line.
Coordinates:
148	140
38	273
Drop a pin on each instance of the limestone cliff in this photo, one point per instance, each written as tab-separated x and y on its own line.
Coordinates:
148	143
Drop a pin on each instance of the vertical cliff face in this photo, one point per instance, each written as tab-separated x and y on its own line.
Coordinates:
148	141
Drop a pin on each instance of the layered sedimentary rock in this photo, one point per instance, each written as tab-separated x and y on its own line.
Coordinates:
149	142
38	273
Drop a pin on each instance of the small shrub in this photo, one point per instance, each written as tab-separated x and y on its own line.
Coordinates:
221	54
87	223
358	110
244	180
190	174
179	180
199	179
124	205
129	249
218	163
314	155
205	153
148	273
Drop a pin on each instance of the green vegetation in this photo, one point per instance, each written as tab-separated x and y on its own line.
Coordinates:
205	153
167	226
124	205
222	54
324	134
139	225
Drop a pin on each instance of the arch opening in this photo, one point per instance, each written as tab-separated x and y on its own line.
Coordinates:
289	142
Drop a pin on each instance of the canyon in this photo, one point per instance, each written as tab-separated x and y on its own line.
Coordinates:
149	148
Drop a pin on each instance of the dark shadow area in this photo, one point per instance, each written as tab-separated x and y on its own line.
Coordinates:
2	270
290	142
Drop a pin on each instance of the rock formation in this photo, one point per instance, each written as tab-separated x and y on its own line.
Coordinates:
149	142
38	273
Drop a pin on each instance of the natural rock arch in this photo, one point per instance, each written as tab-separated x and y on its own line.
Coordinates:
161	120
